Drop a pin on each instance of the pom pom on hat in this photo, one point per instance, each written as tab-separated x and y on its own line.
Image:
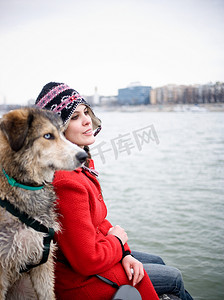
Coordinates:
63	100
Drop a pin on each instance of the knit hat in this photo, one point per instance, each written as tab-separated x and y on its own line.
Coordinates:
63	100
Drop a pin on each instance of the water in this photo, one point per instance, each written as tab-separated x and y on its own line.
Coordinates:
169	196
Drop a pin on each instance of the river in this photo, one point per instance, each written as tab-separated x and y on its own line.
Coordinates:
162	178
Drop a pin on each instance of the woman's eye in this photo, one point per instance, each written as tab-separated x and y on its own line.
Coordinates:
74	118
86	112
49	136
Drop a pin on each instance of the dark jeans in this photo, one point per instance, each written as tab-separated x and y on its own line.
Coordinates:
165	279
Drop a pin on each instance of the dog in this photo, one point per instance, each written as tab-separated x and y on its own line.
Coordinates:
32	148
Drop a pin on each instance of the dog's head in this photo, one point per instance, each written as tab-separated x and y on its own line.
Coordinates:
33	142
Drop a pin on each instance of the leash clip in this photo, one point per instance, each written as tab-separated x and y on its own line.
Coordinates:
12	181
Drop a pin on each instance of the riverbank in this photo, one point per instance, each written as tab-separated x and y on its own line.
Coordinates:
199	108
178	108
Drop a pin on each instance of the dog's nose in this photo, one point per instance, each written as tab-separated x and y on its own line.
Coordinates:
81	156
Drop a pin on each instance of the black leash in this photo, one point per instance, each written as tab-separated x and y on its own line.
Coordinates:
124	292
36	225
108	281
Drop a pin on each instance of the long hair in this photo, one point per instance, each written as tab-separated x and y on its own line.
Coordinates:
86	148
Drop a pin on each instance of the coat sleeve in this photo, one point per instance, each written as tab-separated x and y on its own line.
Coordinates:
105	226
87	251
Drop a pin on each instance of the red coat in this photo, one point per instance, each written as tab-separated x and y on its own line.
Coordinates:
85	248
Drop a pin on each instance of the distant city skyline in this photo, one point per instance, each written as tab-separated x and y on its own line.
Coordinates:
108	44
96	98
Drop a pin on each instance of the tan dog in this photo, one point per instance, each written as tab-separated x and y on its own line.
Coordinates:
32	147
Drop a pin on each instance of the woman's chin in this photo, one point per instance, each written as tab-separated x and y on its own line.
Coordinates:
89	141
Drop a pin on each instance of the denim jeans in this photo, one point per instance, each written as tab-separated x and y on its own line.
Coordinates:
165	279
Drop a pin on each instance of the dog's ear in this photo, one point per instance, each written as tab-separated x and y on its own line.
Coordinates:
15	126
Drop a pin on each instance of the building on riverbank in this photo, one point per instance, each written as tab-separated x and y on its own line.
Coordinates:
134	94
188	94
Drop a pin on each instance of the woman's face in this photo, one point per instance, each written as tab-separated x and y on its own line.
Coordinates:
80	131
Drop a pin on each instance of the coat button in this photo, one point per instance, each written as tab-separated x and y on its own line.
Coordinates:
100	197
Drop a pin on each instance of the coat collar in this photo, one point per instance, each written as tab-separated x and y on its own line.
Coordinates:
91	169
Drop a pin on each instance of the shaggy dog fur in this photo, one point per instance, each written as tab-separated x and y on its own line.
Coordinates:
32	147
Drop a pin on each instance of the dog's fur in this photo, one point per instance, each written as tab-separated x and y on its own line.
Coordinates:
32	147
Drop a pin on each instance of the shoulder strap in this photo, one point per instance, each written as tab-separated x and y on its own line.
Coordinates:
124	292
108	281
36	225
23	217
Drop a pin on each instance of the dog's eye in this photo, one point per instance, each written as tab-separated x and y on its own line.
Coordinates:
49	136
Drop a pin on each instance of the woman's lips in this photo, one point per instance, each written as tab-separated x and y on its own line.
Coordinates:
88	132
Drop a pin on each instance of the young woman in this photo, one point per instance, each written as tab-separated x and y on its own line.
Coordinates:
88	244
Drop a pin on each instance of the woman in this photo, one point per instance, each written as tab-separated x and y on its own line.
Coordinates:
88	244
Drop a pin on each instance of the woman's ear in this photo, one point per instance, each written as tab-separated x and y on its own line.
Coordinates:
15	126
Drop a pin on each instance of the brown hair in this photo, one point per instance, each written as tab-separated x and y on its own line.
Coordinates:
86	148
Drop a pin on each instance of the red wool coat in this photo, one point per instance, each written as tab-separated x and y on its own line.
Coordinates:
84	248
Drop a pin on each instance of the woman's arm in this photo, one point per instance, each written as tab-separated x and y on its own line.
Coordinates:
106	228
88	251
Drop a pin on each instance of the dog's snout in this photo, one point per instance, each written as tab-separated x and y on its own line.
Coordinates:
81	156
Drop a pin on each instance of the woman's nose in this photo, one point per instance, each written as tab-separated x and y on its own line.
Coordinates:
86	119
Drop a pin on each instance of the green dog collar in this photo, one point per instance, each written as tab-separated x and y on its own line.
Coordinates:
13	182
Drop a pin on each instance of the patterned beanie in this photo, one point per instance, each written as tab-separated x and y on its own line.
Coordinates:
63	100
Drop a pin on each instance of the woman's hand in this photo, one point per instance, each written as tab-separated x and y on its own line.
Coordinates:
129	263
119	232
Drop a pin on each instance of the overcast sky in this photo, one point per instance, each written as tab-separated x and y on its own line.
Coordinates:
108	44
